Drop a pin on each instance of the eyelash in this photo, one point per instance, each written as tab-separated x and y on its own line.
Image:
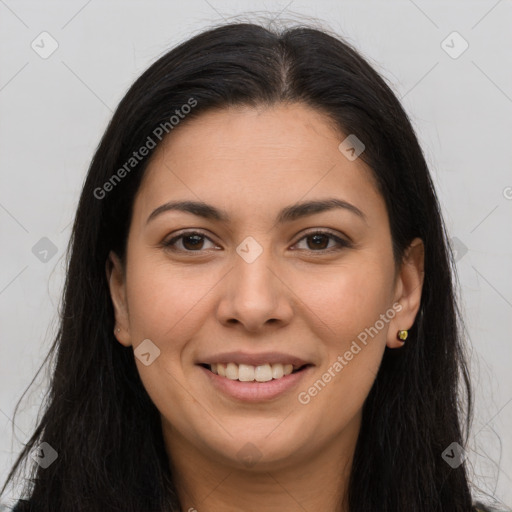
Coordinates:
340	242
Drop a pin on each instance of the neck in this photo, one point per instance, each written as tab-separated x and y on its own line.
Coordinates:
320	482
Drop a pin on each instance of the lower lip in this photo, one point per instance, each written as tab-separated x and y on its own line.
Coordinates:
256	391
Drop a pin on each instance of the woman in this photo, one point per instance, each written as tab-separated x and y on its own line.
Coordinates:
258	312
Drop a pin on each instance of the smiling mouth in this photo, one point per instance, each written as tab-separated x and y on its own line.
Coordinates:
250	373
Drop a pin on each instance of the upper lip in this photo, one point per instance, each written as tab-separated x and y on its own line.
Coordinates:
255	359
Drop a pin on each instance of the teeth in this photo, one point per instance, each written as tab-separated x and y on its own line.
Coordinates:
232	371
277	371
246	373
249	373
263	373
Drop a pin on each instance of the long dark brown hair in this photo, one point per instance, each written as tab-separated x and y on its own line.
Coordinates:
98	416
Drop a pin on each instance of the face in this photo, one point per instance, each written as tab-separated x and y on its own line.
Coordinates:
260	283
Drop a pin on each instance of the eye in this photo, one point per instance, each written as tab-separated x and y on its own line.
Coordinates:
191	241
320	238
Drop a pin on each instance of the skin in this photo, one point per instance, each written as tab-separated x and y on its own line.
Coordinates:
252	162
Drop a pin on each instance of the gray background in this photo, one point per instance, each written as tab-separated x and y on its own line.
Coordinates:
53	111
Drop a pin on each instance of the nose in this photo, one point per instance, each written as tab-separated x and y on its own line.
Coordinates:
255	295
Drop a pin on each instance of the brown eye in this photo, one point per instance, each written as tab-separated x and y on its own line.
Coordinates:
191	241
318	241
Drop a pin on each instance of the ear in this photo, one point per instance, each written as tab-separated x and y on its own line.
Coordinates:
408	288
117	284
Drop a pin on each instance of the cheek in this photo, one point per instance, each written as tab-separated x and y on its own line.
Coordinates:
164	302
346	301
349	307
166	305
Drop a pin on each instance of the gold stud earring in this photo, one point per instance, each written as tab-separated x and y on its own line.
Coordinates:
402	335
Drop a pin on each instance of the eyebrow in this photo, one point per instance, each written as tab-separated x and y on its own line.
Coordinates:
288	214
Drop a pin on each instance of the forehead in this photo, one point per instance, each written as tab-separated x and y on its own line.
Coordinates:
251	157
